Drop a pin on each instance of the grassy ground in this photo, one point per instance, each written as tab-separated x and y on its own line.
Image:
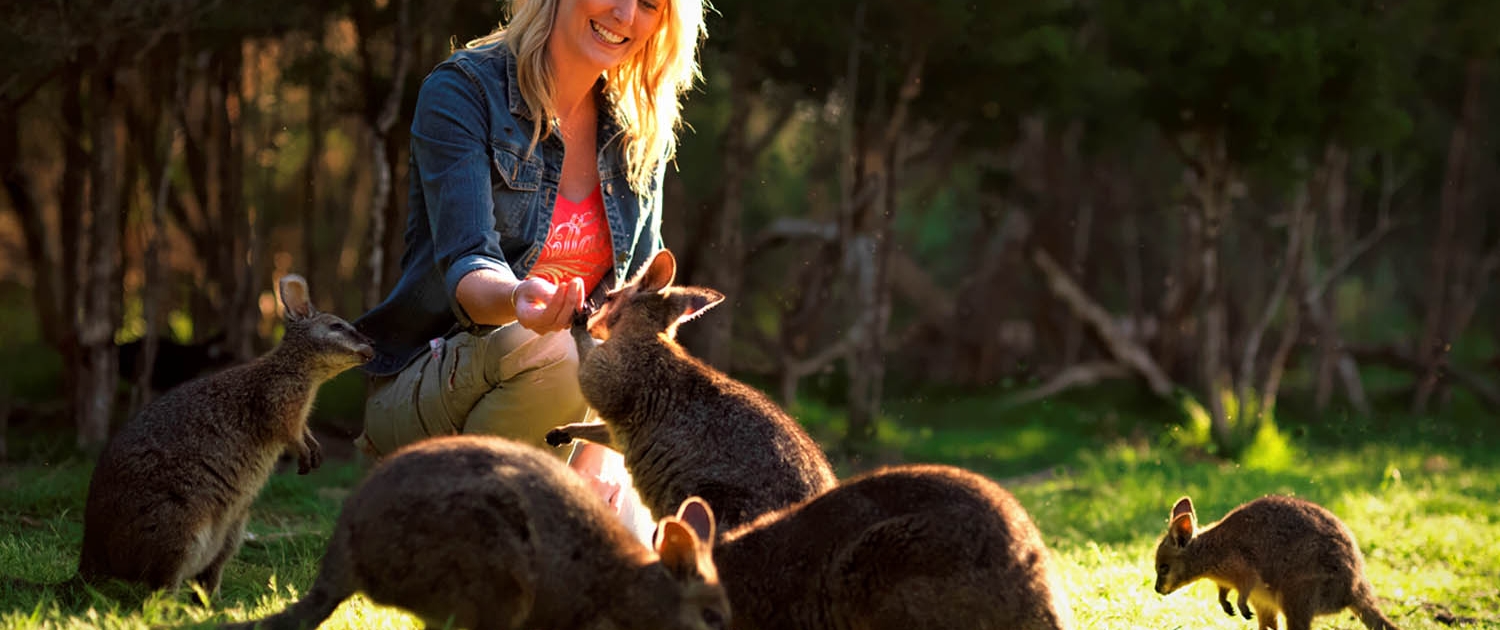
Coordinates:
1422	495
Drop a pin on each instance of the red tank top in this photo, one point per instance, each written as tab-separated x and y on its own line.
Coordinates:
578	243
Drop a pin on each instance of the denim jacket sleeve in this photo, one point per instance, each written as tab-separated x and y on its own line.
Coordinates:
450	147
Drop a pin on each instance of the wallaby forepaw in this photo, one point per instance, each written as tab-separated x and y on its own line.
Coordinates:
1228	608
313	458
559	437
1246	612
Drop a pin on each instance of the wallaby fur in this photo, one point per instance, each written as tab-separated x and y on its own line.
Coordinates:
1282	554
486	533
914	547
172	489
684	428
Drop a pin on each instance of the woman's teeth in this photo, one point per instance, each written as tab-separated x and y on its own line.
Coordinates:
606	34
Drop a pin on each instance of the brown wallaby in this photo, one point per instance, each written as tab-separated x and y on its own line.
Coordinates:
685	428
1283	555
912	547
172	489
483	532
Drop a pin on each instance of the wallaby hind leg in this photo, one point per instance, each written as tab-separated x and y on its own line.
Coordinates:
1299	616
210	576
1372	617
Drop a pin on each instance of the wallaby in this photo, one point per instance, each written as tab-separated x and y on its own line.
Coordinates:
1283	555
914	547
172	489
483	532
685	428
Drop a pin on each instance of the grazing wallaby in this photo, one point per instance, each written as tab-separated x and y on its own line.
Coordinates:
684	428
488	533
172	490
1284	555
912	547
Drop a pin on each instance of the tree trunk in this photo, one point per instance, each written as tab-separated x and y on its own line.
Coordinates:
871	226
42	254
379	124
1210	187
241	308
1297	230
316	262
1073	334
1437	333
719	252
94	395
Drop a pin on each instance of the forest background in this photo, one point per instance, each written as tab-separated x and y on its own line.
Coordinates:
1213	201
1109	252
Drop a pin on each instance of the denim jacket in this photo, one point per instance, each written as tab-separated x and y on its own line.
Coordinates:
479	201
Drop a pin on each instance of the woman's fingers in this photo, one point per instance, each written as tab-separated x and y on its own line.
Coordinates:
557	314
532	296
566	302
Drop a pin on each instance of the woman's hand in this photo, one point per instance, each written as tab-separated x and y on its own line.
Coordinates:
543	307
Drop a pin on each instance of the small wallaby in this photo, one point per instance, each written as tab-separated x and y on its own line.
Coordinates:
172	489
913	547
1283	555
483	532
685	428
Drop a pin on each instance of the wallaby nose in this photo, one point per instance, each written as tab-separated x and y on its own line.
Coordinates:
582	315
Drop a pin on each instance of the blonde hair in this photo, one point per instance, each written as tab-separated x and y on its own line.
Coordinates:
644	91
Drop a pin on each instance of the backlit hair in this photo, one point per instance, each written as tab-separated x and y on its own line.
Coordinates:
645	90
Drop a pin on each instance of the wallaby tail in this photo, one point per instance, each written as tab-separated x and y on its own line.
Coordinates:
1371	616
307	613
333	585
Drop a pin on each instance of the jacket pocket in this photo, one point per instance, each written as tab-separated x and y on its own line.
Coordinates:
516	171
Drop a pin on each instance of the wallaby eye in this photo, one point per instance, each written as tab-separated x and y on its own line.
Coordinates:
713	619
1163	569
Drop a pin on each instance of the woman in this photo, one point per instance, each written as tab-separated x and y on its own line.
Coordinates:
537	159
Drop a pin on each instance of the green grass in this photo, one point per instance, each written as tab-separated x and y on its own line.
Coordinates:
1098	475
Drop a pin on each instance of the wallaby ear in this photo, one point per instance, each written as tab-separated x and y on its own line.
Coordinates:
1183	506
695	513
1181	529
678	547
695	300
659	272
294	298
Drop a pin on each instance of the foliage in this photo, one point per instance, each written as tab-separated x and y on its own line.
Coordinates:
1277	78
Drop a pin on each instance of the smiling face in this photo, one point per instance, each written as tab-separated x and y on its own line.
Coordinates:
593	36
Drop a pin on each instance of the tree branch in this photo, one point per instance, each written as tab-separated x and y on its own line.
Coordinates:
1119	345
1081	375
1384	226
1404	360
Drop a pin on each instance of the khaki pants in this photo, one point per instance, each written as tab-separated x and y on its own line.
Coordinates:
511	382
